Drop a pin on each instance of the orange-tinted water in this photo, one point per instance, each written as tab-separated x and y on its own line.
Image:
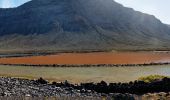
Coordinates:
92	58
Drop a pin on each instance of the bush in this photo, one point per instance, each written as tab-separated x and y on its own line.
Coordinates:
152	78
41	81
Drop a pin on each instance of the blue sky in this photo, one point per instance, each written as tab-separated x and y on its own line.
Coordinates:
159	8
11	3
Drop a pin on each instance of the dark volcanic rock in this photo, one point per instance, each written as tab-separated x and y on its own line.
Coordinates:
80	25
21	88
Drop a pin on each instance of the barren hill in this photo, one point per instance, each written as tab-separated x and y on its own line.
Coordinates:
79	25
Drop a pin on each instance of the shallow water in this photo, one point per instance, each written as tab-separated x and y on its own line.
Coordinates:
90	74
92	58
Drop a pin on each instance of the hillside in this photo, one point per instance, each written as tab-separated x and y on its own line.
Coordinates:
79	25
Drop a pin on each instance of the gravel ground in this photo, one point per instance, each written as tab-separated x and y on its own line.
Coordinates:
24	89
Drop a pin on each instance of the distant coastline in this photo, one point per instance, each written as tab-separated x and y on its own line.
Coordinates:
48	52
89	65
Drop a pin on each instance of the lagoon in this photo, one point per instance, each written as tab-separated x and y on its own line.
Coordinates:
84	74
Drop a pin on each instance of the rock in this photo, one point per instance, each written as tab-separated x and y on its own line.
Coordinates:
28	95
41	81
28	88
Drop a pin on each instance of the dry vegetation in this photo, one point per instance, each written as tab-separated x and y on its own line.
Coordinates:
152	78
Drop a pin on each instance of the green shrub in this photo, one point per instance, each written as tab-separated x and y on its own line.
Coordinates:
151	78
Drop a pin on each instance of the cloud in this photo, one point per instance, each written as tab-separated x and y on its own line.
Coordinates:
6	3
158	8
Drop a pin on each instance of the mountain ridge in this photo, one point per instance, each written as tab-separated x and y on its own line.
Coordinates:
80	25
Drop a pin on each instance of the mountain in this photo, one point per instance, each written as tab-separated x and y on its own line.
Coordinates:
79	25
168	25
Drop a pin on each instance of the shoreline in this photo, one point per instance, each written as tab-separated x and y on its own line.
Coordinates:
45	53
88	65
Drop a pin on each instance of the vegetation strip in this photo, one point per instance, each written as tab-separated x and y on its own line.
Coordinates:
87	65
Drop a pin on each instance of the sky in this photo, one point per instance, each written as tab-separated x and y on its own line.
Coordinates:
158	8
11	3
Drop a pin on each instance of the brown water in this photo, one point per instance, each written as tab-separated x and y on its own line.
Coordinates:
92	58
92	74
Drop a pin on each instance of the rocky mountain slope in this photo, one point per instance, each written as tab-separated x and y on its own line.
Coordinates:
79	25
